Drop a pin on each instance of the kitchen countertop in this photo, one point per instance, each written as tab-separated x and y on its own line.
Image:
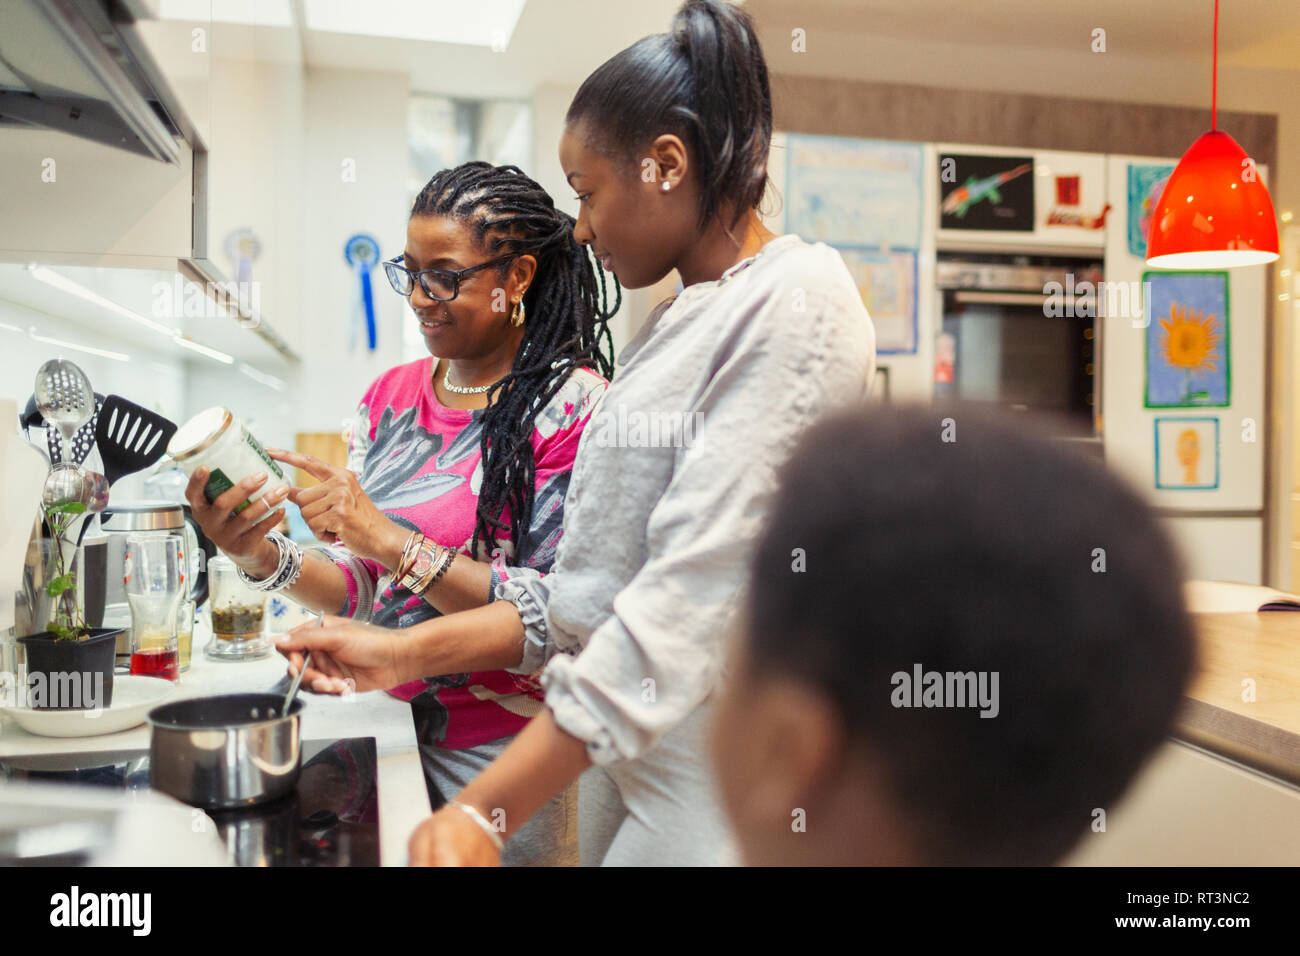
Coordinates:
1237	644
403	799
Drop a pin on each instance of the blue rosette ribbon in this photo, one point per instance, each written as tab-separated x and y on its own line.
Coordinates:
361	252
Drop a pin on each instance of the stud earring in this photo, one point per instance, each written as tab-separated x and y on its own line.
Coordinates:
667	185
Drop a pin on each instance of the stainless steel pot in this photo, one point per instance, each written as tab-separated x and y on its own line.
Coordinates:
228	751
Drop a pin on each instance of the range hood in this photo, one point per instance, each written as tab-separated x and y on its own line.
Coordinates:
76	66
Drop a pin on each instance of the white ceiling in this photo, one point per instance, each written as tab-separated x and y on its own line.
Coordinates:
561	41
1252	33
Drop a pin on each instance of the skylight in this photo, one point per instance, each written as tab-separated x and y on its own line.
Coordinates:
488	23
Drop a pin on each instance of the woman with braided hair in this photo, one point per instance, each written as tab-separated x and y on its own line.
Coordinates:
666	146
458	463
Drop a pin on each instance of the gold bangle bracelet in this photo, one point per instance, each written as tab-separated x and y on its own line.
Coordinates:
409	551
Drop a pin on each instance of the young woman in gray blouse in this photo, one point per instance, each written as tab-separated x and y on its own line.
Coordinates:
666	145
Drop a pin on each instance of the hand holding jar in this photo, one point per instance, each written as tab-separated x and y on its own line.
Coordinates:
338	511
240	535
234	488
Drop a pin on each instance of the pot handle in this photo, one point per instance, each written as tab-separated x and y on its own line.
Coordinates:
199	593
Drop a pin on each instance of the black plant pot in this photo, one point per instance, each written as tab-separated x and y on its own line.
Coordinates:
64	675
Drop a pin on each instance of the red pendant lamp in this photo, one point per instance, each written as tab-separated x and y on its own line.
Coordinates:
1214	212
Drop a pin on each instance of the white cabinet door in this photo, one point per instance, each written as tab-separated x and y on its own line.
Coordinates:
1189	807
71	199
1230	477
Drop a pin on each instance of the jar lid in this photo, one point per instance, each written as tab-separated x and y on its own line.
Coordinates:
198	434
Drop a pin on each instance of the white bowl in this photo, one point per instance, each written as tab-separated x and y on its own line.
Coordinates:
133	698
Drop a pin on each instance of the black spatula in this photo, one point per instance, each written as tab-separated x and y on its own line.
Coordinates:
130	438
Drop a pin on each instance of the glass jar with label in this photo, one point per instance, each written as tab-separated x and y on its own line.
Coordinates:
217	440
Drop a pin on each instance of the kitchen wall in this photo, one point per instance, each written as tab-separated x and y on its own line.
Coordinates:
550	103
353	120
807	83
307	158
1220	532
153	379
1141	75
150	378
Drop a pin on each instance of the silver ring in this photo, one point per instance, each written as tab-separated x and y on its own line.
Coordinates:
269	508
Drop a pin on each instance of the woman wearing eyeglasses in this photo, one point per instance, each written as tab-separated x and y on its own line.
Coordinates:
666	145
458	463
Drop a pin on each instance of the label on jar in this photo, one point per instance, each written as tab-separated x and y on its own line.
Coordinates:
219	482
271	464
217	485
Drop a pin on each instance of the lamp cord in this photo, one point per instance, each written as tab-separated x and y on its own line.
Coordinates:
1214	91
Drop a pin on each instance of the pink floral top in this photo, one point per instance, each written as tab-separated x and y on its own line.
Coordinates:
420	463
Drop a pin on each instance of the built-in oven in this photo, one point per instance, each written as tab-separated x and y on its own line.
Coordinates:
1021	330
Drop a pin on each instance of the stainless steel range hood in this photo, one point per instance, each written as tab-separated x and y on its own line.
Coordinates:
75	66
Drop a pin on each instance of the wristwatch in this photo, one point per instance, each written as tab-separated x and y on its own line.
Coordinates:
420	569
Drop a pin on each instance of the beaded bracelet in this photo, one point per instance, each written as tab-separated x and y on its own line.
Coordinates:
448	556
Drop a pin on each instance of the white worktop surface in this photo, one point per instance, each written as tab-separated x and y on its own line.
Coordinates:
403	799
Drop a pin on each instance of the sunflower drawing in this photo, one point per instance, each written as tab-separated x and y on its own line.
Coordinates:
1191	342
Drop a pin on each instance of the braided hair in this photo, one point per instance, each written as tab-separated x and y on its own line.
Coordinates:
566	327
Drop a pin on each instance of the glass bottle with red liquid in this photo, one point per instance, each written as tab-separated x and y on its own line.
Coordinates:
154	582
156	662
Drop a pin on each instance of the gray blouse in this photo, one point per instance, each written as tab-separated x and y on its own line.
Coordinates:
674	475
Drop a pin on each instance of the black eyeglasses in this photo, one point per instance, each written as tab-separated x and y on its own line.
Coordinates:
441	285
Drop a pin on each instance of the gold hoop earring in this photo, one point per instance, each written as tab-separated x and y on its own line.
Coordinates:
517	314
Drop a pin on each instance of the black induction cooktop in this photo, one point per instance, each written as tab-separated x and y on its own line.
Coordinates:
331	819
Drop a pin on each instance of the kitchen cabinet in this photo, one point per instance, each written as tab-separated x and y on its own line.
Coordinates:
1217	520
96	152
1190	807
1224	792
70	200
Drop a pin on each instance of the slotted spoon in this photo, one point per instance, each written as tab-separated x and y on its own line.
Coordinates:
64	397
82	441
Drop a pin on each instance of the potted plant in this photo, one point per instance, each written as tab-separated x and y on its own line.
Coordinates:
69	665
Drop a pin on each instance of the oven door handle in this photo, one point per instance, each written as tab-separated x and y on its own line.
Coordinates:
1018	298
